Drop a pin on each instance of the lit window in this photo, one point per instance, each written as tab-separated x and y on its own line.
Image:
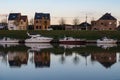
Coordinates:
110	23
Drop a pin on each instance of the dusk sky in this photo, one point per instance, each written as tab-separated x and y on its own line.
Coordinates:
63	8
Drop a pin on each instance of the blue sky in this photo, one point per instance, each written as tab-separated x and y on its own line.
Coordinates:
62	8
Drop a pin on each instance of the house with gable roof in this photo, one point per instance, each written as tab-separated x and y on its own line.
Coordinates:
23	23
13	21
106	22
41	21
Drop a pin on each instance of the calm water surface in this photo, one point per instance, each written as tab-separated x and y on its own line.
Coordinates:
59	62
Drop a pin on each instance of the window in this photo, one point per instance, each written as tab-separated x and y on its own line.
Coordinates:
101	23
36	27
95	28
45	27
21	22
110	28
36	21
110	23
45	22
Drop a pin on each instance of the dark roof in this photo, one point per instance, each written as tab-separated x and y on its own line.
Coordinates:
14	16
24	18
40	15
85	24
107	16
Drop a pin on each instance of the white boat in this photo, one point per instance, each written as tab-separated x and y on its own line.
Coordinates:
38	39
8	40
71	40
106	40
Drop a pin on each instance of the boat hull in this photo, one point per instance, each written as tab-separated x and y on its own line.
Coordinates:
73	42
9	41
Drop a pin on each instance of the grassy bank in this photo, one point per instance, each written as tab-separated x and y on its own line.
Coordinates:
90	35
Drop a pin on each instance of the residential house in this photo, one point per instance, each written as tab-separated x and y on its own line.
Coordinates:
106	22
118	28
84	26
41	21
23	22
69	27
13	21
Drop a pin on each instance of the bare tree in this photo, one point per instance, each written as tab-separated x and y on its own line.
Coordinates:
76	22
62	21
31	21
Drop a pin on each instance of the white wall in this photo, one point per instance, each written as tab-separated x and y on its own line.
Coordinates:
11	25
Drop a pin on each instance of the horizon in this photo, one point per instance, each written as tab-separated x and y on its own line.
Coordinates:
58	9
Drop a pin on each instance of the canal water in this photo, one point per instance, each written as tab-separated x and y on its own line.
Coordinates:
59	62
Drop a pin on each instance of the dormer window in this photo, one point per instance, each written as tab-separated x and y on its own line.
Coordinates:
38	16
14	16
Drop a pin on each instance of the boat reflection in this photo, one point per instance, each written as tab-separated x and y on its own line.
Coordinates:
71	46
38	46
106	46
5	45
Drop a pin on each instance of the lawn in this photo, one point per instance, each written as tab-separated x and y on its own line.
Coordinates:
56	34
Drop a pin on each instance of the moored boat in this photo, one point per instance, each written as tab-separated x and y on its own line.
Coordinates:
71	40
38	39
8	40
106	40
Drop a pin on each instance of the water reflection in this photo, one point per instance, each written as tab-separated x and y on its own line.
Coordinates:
79	62
42	55
42	59
16	59
106	59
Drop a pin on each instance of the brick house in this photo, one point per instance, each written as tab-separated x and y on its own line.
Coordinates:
23	23
41	21
106	22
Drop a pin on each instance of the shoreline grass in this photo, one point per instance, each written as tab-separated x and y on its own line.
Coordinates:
56	34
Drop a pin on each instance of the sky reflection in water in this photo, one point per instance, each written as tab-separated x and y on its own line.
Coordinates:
59	62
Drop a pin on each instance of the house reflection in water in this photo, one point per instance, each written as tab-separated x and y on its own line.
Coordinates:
106	59
42	59
17	59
